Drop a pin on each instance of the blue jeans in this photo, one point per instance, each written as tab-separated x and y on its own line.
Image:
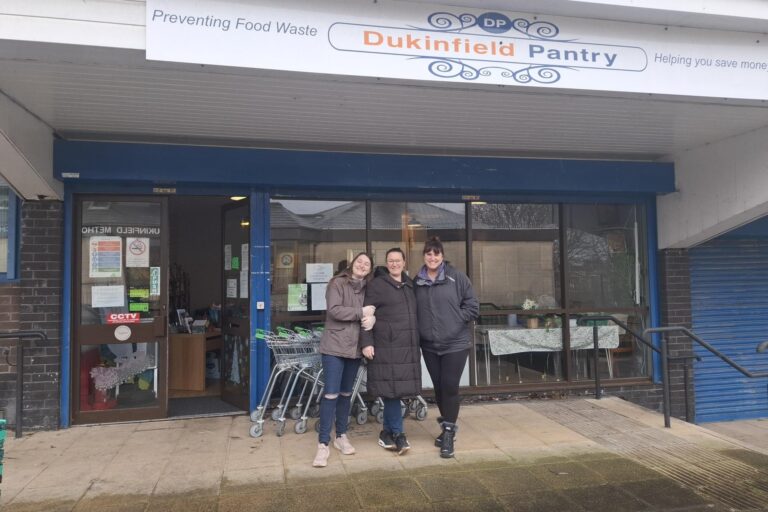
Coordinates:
339	377
393	416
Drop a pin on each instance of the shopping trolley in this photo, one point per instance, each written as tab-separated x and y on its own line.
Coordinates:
297	359
416	406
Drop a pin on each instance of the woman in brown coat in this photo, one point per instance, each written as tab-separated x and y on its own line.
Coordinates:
392	346
339	346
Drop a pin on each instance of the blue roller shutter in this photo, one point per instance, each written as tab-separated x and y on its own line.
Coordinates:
729	308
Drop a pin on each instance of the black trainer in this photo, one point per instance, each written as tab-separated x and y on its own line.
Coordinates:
449	432
386	440
401	444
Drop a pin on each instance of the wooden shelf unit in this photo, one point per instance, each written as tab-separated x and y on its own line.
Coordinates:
186	361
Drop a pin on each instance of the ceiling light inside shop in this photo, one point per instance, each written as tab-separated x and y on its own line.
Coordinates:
245	223
237	198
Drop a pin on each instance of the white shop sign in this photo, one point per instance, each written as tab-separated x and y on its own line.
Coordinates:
403	40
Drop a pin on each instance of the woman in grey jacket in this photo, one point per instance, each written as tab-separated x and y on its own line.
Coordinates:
339	346
446	305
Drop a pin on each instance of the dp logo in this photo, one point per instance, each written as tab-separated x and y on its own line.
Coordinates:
494	22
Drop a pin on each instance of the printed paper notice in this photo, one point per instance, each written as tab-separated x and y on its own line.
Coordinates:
244	284
154	281
137	252
319	272
244	256
108	296
318	296
227	257
297	297
231	288
106	256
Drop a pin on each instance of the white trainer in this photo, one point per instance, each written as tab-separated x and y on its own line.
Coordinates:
343	445
321	458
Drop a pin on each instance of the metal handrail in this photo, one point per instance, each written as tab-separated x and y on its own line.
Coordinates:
665	361
19	336
666	396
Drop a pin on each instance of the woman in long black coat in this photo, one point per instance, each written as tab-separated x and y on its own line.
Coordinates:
392	347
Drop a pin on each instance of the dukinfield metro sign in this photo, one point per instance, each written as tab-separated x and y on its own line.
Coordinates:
429	42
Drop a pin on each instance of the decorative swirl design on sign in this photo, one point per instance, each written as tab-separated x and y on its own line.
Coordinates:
454	68
449	22
449	68
536	29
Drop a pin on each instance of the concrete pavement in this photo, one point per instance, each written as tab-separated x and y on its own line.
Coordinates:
550	455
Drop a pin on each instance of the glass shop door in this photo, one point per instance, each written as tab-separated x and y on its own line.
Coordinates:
120	324
236	307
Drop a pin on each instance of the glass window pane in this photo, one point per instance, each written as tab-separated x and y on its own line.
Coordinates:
121	261
605	256
326	232
515	259
118	376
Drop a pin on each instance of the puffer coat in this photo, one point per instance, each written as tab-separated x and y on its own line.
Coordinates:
344	299
395	370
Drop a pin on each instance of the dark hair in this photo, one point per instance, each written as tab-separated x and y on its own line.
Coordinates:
351	264
433	244
395	249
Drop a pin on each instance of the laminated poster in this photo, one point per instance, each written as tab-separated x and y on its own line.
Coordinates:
318	296
244	284
108	296
154	281
137	252
297	297
244	256
319	272
227	257
105	256
231	288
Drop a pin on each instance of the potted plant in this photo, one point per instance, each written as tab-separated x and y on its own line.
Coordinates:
532	322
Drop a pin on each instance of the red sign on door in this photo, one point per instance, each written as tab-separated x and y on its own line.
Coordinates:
123	318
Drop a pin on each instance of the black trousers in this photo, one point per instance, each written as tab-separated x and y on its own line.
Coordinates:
446	371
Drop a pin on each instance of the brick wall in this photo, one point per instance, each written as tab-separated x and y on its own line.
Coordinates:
10	297
675	291
39	299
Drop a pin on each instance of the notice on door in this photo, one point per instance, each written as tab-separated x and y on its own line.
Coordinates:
137	252
231	288
227	257
244	284
106	256
297	297
108	296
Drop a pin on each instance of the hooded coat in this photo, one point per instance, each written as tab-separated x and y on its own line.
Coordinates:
395	370
344	297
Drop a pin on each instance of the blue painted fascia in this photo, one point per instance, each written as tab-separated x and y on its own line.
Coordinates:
345	172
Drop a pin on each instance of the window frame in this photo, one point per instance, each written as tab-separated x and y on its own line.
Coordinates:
14	230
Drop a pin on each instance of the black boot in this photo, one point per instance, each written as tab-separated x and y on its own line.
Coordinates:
449	435
439	439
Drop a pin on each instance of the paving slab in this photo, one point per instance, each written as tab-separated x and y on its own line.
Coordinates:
570	455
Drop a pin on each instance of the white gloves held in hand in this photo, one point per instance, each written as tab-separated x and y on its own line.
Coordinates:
368	322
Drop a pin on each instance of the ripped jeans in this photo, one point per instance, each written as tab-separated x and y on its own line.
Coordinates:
339	377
